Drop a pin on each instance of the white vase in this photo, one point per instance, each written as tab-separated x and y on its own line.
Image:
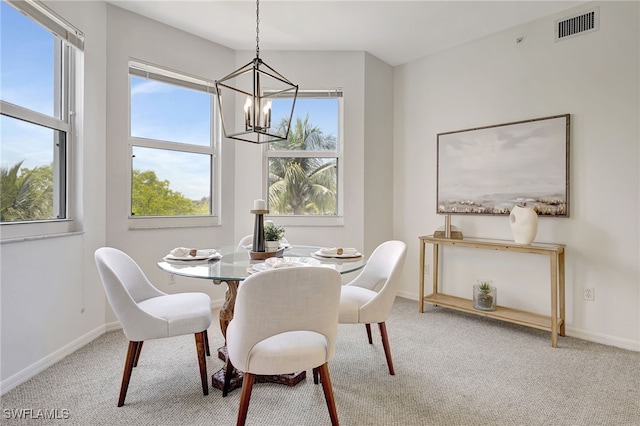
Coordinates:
271	245
524	224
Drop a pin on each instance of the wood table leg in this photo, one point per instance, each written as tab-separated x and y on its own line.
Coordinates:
554	300
561	290
421	289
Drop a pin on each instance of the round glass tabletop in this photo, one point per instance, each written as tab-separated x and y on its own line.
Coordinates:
235	265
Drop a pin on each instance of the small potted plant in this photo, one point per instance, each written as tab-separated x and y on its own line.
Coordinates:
484	296
272	236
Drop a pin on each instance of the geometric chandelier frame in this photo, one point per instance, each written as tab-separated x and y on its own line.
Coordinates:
254	86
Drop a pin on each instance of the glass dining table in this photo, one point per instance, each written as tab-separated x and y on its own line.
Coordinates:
236	265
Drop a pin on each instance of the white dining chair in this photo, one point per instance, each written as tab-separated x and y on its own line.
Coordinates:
369	297
285	321
146	313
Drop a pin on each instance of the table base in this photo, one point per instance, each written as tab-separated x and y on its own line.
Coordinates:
217	379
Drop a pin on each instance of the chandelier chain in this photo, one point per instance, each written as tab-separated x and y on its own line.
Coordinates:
257	28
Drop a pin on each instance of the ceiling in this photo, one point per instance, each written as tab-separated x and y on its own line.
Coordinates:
394	31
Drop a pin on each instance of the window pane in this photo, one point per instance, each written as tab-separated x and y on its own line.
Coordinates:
303	186
314	125
170	183
26	172
27	62
167	112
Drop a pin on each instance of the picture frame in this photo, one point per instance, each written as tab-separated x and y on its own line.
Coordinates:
487	170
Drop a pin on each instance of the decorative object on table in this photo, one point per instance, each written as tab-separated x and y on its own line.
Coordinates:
185	254
519	160
274	263
524	224
448	230
484	296
338	253
272	236
259	209
259	85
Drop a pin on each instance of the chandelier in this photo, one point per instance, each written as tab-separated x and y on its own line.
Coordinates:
254	86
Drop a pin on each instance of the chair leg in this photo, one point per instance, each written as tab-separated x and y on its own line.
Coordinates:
385	344
137	357
328	393
245	396
202	362
315	376
128	367
206	343
369	333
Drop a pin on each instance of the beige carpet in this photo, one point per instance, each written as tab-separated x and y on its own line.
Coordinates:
451	369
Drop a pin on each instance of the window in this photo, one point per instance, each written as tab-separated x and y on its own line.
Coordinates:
38	58
173	139
304	172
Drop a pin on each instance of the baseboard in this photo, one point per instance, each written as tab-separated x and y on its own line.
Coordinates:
574	332
46	362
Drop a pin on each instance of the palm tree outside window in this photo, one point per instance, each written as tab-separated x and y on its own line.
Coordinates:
304	171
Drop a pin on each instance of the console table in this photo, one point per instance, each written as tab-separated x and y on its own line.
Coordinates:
555	322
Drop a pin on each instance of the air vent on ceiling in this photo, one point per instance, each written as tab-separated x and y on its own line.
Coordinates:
583	23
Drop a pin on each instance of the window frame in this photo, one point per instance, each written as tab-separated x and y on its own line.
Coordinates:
178	78
68	48
338	154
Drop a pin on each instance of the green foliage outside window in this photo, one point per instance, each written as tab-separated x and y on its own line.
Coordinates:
153	197
303	185
26	194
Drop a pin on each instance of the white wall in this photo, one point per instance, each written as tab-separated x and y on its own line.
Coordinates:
595	78
52	301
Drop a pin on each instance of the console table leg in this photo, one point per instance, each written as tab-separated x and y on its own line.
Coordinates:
561	290
554	300
421	289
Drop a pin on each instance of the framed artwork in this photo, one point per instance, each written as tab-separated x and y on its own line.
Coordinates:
487	170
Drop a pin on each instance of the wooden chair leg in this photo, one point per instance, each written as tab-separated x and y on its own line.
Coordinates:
387	349
328	393
128	368
202	362
315	375
228	372
206	343
245	396
368	326
137	357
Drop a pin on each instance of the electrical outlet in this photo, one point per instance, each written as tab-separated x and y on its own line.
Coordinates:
172	279
427	269
590	294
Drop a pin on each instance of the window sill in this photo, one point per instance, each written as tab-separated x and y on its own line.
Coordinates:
142	223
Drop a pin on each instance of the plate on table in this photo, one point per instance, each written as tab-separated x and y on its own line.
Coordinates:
213	255
263	266
336	256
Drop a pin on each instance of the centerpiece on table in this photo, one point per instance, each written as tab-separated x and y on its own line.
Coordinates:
272	236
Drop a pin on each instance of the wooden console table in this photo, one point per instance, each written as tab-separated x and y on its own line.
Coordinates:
555	323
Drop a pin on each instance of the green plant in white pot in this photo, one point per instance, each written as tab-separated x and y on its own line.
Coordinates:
272	236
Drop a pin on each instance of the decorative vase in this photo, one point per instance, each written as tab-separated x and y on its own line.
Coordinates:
271	245
485	299
524	224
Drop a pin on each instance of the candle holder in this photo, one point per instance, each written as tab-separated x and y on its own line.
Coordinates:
258	230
